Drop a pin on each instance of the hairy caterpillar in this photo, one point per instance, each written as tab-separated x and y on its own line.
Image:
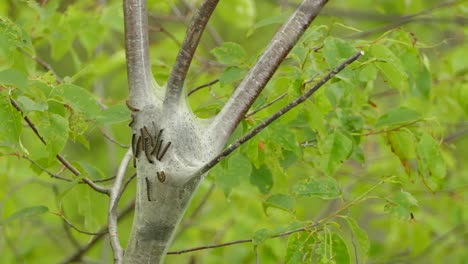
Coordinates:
146	143
161	176
164	150
148	188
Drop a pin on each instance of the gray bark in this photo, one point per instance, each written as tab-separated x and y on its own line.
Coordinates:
168	177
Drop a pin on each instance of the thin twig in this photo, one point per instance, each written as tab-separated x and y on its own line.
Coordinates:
115	194
179	72
76	256
112	140
241	241
276	115
79	230
159	28
51	174
209	84
267	105
44	64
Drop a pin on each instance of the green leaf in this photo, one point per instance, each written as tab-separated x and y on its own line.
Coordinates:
78	98
326	188
261	235
335	49
68	188
299	245
390	66
230	53
11	123
15	78
336	148
54	129
25	213
431	163
232	74
279	201
340	250
423	82
114	114
29	105
262	178
93	172
398	116
361	240
238	167
403	143
401	205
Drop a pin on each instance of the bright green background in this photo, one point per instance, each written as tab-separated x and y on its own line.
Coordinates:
376	156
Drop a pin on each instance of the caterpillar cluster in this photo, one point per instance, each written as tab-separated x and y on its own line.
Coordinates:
151	146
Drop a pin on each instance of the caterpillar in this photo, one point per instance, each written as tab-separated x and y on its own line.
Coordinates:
145	141
138	147
131	121
134	139
161	176
148	189
164	150
157	144
133	109
145	129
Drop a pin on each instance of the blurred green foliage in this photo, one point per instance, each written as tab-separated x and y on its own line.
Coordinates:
370	170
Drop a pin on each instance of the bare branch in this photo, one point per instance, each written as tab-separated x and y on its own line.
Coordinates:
267	105
211	30
70	224
307	228
276	115
175	83
209	84
112	139
115	194
136	46
259	75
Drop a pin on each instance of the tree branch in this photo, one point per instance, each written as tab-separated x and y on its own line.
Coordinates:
266	105
175	83
115	194
209	84
140	79
276	115
259	75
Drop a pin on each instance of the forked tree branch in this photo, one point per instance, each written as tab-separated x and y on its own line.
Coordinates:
136	47
175	83
259	75
276	115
